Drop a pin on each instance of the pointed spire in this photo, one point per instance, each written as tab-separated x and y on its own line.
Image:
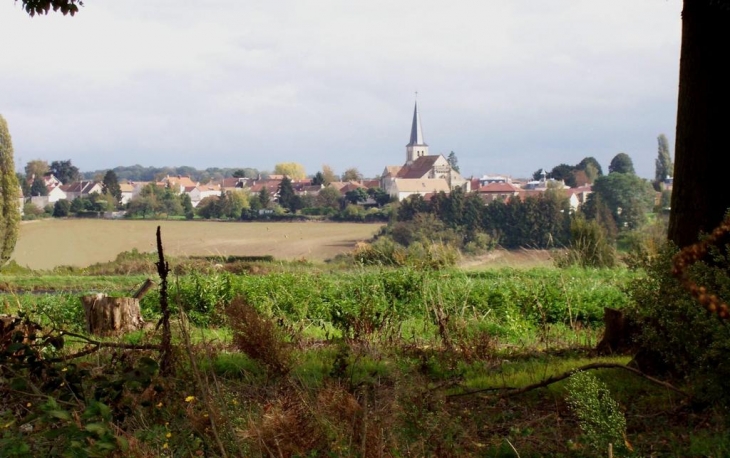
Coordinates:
416	129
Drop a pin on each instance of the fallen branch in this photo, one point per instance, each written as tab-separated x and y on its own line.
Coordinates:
97	345
509	392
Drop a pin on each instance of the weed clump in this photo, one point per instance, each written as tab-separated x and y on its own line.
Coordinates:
259	338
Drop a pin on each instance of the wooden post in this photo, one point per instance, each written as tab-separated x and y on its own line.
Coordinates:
110	316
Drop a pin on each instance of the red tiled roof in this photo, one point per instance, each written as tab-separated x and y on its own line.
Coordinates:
499	188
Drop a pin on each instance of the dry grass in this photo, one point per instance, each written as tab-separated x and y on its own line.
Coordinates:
49	243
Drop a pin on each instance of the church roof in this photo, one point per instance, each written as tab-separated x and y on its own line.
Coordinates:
418	168
391	170
416	129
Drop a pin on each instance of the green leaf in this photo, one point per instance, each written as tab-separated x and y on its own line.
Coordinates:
60	414
105	411
96	428
122	443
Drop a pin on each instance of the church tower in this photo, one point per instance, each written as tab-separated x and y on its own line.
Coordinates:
416	147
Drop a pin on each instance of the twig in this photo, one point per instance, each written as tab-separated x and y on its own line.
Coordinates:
513	447
556	378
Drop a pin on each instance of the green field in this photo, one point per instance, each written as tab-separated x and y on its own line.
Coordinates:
45	244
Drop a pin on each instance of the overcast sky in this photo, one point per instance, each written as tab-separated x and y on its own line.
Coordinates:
511	86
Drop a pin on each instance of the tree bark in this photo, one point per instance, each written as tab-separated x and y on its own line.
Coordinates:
699	195
111	316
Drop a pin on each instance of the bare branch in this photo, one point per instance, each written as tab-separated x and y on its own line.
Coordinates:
510	392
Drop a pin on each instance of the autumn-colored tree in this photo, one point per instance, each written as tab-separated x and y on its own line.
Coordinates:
36	168
293	170
352	174
328	174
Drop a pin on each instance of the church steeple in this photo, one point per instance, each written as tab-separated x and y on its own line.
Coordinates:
416	147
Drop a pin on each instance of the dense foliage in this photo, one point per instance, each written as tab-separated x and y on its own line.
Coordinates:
683	339
9	195
538	222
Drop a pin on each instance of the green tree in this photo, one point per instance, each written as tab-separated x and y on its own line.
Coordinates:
565	173
264	197
233	205
664	166
621	163
286	194
61	208
65	171
110	186
411	206
627	196
453	161
329	197
356	195
210	208
81	204
38	188
187	205
9	195
24	185
379	196
318	179
595	166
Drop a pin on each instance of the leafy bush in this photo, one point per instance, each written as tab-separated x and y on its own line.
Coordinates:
589	246
599	416
203	297
688	342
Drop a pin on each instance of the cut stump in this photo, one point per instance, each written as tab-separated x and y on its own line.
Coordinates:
619	333
111	316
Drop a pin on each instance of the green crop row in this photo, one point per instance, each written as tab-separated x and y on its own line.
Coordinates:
509	298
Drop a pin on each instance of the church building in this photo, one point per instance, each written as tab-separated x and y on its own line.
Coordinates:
421	173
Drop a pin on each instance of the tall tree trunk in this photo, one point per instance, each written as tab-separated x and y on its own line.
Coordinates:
700	197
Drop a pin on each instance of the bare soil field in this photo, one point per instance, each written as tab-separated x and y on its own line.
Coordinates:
48	243
522	258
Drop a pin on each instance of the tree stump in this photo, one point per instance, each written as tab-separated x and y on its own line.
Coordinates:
618	334
111	316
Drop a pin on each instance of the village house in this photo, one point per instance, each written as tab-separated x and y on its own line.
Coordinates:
81	189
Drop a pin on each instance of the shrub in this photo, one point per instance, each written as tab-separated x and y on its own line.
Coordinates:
686	341
599	416
589	246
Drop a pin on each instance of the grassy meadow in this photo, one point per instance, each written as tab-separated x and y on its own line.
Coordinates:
289	358
45	244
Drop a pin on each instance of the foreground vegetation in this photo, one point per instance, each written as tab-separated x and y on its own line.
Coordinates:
289	359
